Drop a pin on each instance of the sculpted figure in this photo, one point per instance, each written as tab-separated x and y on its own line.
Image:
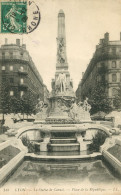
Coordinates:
42	110
62	82
61	52
81	111
86	106
39	106
74	111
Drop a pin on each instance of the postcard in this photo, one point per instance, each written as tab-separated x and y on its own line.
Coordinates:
60	97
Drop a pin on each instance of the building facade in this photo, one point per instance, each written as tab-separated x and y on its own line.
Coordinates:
105	66
46	95
19	72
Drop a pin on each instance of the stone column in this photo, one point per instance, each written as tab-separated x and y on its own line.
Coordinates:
83	145
43	145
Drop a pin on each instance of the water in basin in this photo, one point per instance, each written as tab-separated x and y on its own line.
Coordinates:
61	173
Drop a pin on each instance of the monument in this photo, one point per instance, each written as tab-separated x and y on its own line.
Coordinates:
62	121
62	93
61	129
63	107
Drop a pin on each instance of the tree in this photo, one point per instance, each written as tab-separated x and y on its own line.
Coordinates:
5	100
99	100
97	141
98	97
117	98
28	103
15	104
24	105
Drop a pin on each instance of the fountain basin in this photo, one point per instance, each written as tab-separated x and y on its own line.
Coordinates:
47	173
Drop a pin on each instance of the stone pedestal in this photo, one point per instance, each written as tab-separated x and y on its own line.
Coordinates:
43	145
83	144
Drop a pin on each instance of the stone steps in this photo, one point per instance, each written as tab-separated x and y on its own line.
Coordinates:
63	141
62	166
63	147
70	167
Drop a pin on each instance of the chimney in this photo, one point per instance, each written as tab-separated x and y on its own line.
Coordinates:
106	38
97	46
24	46
6	41
18	42
120	36
101	41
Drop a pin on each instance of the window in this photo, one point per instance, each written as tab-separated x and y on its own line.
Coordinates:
120	64
11	93
11	68
114	78
103	50
113	64
114	50
98	78
102	64
21	53
114	92
21	68
21	93
11	80
3	67
21	80
3	79
3	55
11	55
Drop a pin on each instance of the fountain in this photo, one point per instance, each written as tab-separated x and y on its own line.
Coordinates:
63	123
59	127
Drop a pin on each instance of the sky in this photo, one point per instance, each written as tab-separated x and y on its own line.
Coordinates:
86	21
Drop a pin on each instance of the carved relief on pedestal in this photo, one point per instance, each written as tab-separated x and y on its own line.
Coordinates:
62	105
61	57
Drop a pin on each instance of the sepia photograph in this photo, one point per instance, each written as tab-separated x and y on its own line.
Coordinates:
60	97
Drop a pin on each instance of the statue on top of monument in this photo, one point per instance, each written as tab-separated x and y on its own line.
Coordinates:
61	82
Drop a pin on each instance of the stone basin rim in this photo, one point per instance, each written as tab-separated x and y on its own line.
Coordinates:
74	157
74	128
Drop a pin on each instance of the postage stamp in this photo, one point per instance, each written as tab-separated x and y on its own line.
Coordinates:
19	16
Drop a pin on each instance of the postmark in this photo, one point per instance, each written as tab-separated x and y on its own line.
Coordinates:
19	17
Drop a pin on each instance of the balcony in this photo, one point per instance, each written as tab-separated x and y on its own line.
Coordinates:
14	59
22	72
23	86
